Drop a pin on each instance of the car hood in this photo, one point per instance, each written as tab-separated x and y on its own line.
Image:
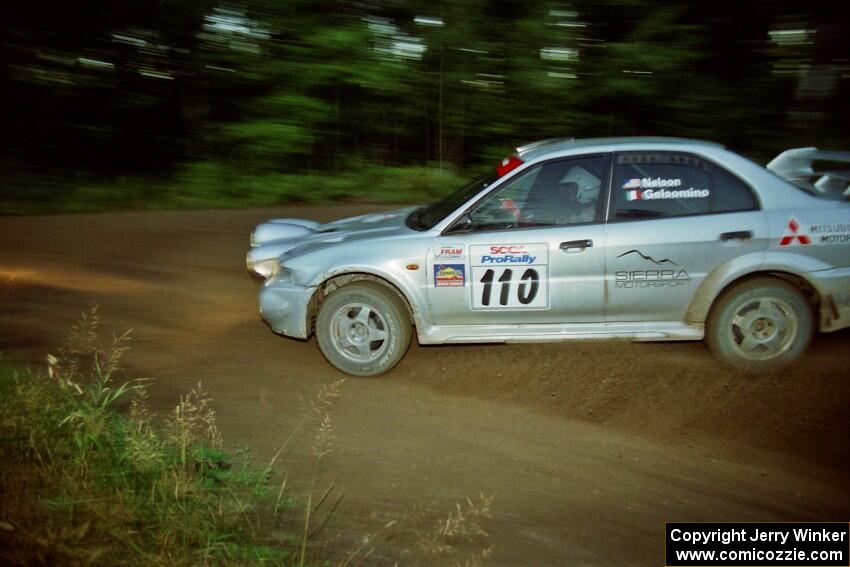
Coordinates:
276	237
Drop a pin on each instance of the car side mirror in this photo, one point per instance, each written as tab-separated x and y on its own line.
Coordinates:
462	224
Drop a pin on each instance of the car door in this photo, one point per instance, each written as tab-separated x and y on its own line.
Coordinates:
674	217
533	250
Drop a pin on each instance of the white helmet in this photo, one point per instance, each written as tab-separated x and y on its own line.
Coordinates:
588	184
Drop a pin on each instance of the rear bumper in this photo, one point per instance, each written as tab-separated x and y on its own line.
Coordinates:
834	289
284	307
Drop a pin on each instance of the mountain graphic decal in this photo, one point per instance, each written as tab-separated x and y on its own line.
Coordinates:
650	258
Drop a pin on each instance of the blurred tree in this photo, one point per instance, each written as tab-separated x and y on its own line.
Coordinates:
100	90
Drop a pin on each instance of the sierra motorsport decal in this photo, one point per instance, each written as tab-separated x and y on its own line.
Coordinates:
825	233
449	275
668	274
509	276
649	189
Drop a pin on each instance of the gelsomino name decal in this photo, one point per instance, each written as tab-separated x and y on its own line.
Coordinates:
649	189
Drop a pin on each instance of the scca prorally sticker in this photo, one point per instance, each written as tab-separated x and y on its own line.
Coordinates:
509	276
448	252
449	275
511	254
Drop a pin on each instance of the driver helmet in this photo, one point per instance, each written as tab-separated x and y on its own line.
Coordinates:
588	184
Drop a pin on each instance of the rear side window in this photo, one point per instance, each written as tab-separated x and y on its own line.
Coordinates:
730	193
667	184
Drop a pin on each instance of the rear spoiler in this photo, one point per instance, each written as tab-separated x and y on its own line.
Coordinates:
795	165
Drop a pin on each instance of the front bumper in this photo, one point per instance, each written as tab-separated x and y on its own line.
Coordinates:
284	307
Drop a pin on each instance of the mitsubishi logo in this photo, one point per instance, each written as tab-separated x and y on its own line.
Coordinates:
792	234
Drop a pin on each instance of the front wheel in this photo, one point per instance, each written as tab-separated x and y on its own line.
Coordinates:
761	324
363	329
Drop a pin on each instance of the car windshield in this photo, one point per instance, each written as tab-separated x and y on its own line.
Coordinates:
426	217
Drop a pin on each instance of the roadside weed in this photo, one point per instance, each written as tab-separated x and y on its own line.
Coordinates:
89	476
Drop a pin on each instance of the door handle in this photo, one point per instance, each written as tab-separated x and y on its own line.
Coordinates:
736	235
576	245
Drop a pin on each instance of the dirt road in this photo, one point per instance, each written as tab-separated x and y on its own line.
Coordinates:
588	447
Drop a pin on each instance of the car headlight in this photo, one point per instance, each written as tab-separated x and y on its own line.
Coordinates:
283	275
266	268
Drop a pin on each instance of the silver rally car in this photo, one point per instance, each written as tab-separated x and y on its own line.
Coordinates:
629	238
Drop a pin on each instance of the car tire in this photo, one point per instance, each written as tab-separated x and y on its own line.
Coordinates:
363	329
761	324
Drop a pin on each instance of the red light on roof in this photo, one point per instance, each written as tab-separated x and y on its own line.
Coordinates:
507	165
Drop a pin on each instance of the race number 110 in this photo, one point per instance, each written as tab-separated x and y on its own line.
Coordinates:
508	288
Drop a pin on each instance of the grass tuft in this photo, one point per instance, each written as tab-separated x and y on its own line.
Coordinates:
444	539
87	478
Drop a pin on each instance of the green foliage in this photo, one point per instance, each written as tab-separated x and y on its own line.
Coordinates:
260	144
223	184
85	483
201	103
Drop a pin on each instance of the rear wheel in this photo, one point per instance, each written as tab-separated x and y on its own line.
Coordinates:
363	329
760	324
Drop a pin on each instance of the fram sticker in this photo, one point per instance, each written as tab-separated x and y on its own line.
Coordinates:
449	275
449	252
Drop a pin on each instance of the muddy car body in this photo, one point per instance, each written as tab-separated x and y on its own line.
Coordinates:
635	238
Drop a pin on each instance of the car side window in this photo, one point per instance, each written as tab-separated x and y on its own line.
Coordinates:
555	193
730	193
668	184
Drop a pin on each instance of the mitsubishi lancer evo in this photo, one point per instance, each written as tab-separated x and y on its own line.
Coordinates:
647	239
